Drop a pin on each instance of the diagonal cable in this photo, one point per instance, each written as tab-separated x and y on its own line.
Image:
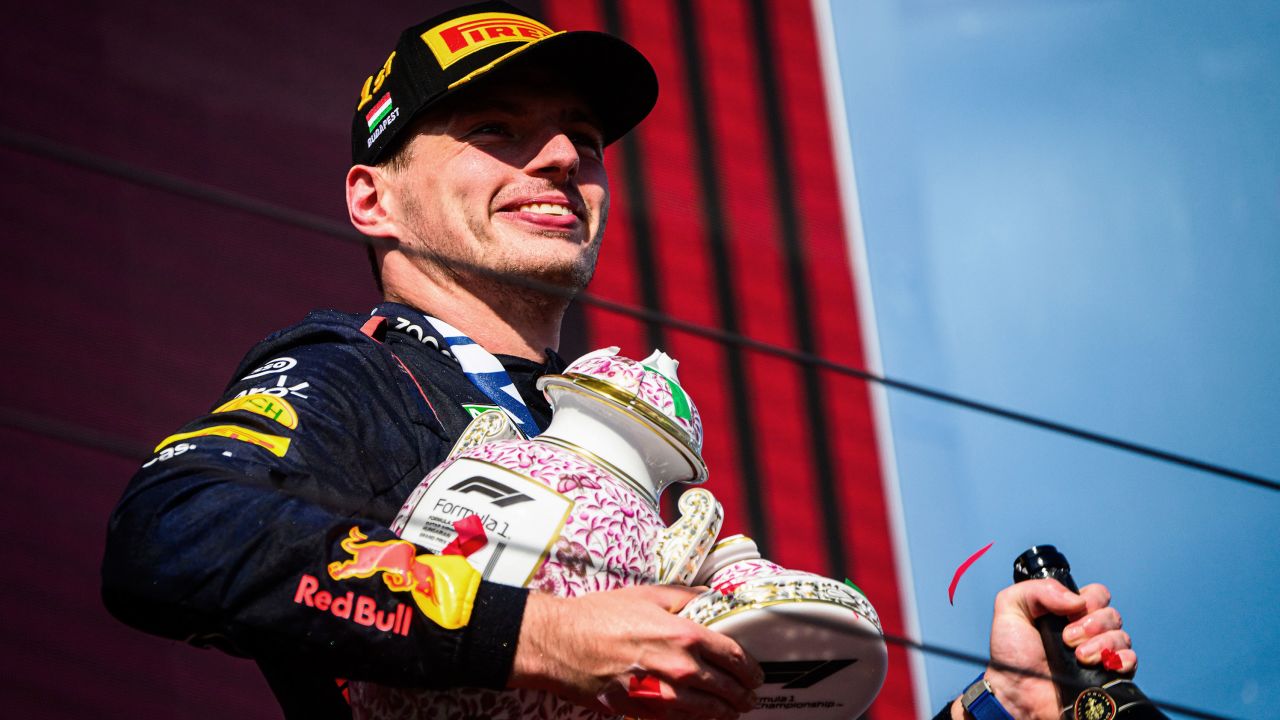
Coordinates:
132	450
49	149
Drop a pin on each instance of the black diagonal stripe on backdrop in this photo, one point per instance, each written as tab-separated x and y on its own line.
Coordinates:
838	561
738	393
637	191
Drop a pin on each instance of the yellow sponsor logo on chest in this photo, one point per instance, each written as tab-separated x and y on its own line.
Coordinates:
268	406
275	444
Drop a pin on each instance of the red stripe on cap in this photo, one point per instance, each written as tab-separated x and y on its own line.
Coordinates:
373	112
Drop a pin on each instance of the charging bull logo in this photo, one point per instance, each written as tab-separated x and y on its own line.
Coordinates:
443	586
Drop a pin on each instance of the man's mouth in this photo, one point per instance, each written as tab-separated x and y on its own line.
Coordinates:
548	213
543	208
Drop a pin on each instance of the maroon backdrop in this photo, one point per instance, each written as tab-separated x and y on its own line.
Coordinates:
147	149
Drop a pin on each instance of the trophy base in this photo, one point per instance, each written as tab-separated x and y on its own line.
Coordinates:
821	660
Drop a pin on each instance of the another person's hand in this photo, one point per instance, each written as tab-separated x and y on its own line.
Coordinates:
1015	642
589	648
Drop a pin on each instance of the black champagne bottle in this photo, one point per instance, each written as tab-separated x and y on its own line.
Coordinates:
1084	692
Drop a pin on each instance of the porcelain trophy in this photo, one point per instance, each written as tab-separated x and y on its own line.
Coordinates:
571	511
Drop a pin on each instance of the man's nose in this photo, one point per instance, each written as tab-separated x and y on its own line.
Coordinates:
556	159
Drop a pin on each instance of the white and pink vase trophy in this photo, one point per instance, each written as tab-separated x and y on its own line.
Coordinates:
575	510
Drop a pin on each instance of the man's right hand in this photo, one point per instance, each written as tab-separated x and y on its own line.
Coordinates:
587	649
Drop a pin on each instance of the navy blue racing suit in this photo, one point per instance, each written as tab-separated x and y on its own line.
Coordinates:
225	535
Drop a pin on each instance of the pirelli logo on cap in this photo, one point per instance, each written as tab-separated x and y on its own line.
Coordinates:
458	38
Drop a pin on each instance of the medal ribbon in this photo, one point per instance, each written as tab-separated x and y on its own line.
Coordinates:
487	374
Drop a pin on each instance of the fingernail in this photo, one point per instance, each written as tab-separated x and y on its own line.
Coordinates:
645	687
1073	634
1111	660
1088	650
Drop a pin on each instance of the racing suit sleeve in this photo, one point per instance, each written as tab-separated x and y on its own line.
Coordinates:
261	528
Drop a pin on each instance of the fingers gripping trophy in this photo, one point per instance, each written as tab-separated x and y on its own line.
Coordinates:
575	510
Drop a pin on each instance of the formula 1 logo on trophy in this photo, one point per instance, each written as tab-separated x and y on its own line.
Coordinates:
575	510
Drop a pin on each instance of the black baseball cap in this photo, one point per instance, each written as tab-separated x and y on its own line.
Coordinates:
435	59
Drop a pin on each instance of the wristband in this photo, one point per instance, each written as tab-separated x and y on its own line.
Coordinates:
981	703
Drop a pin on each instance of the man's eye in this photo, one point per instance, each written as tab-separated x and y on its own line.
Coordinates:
589	142
490	129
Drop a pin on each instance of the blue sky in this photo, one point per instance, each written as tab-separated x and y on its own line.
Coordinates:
1072	209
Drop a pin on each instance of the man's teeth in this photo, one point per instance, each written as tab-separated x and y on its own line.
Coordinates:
544	208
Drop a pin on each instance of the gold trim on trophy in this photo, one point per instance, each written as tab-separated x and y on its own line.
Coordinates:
595	459
664	426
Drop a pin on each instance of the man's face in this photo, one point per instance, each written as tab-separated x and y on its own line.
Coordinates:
508	179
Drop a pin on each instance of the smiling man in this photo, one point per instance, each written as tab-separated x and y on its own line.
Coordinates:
262	527
503	225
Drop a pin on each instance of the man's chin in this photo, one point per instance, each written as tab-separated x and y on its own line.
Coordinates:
559	263
564	277
565	280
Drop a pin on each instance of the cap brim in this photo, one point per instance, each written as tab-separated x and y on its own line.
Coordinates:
613	78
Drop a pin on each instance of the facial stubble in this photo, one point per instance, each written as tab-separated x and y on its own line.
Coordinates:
478	264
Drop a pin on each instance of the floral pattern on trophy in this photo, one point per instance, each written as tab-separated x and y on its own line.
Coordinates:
612	535
740	578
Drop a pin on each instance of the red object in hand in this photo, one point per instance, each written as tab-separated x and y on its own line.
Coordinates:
645	687
470	538
1111	660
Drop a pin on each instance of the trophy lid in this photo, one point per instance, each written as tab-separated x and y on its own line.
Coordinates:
648	389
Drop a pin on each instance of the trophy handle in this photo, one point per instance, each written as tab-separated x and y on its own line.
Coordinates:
683	546
486	427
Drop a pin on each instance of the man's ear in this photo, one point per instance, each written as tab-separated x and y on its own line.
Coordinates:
369	201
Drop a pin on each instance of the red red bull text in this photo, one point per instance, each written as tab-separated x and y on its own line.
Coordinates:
360	609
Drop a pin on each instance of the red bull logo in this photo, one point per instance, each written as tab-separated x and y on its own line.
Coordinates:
443	587
360	609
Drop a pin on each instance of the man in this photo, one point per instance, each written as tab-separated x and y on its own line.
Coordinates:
478	175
